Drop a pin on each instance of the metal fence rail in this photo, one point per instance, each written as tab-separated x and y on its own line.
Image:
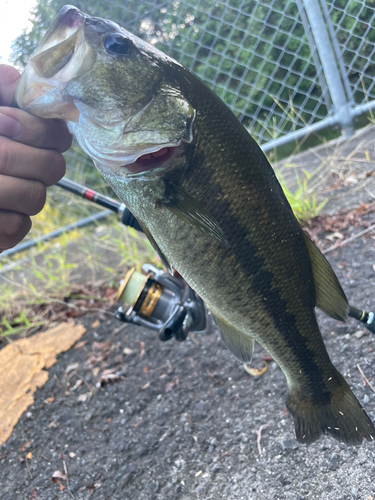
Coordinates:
287	68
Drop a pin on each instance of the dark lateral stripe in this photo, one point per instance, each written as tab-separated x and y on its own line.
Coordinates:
262	285
203	169
285	323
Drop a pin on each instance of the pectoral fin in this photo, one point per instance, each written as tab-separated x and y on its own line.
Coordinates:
238	343
189	210
330	297
155	246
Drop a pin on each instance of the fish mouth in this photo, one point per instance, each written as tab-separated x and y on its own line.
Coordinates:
157	159
60	43
50	68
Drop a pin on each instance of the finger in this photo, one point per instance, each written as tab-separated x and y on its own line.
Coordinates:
21	195
9	78
13	228
19	160
28	129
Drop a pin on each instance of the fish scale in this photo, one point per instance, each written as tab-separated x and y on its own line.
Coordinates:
212	207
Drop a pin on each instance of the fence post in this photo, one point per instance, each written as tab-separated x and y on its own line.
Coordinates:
342	103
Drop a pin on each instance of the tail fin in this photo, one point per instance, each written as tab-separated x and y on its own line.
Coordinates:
343	418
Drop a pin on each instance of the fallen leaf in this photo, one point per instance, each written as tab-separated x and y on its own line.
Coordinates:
72	367
53	424
255	372
336	235
350	181
170	386
108	371
23	365
59	475
109	375
142	352
76	385
268	358
95	324
105	346
29	456
33	494
95	371
80	344
26	445
94	486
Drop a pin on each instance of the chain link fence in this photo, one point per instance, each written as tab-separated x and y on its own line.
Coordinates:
287	68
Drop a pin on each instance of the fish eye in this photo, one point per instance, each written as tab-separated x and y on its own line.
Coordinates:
116	45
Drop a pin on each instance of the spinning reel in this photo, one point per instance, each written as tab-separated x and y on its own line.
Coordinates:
161	302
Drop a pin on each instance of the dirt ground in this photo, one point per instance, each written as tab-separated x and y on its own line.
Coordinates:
126	417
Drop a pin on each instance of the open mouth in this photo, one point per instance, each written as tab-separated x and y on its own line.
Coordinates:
150	161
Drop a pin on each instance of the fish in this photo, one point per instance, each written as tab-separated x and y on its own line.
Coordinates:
207	199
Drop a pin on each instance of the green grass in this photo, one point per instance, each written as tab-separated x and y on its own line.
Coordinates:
302	200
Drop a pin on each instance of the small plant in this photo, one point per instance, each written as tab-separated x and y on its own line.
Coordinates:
302	200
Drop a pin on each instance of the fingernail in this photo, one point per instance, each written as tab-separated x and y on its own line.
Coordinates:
9	127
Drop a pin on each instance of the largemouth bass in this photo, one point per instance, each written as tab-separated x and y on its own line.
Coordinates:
207	199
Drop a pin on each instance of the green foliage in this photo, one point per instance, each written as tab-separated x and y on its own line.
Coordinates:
302	200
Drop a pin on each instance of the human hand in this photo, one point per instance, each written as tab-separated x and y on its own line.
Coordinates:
30	160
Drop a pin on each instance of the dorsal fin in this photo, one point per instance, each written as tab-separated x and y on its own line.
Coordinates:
330	297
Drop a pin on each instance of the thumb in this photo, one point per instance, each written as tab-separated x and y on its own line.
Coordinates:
9	77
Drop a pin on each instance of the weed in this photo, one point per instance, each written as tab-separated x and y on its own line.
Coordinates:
302	200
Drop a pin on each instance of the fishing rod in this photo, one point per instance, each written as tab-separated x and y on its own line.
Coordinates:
367	318
158	300
125	215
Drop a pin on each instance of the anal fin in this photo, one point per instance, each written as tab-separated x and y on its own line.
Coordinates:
239	344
